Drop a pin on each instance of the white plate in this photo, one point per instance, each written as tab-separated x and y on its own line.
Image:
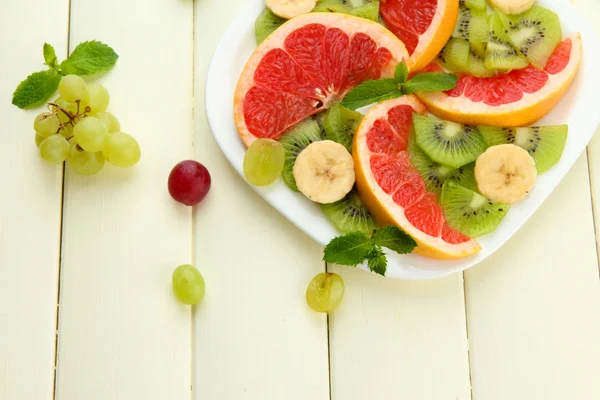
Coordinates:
579	109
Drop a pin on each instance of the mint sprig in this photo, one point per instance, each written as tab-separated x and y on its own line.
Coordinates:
355	248
88	58
390	88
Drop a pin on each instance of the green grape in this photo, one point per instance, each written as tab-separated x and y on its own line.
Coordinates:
39	139
325	292
188	284
72	88
46	124
67	105
83	162
97	98
90	134
55	149
67	131
122	150
263	162
111	122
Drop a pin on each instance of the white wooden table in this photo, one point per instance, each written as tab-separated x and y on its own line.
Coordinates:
86	309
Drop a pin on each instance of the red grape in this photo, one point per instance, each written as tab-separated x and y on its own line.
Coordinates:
189	182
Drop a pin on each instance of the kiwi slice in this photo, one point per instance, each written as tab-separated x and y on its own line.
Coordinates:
446	142
469	212
350	215
500	53
294	141
544	143
435	174
479	5
455	55
535	33
359	8
472	24
476	64
265	24
340	124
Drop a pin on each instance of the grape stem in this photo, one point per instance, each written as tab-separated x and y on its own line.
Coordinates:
72	117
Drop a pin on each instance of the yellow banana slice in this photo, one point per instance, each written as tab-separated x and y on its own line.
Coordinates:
290	8
505	173
324	172
512	6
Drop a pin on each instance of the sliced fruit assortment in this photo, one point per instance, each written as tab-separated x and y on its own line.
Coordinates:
518	98
305	66
391	186
423	25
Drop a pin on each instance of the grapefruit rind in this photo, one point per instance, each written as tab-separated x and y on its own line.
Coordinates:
347	23
381	205
531	108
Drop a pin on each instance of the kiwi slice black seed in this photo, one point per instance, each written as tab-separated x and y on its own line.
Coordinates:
476	64
500	53
469	212
340	123
265	24
435	174
350	215
535	33
294	141
359	8
472	24
455	55
544	143
446	142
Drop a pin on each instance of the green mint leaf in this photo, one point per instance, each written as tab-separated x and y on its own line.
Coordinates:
394	239
430	82
377	261
351	249
36	89
371	92
89	58
401	73
50	56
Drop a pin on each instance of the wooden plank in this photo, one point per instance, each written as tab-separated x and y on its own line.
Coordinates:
395	339
122	334
591	8
533	307
31	203
255	337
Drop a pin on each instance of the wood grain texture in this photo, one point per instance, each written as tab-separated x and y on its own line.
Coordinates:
255	337
122	334
395	339
30	213
533	307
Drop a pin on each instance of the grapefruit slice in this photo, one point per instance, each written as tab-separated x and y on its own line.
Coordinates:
307	64
518	98
423	25
391	187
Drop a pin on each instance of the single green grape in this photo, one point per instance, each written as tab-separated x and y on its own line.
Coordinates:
122	150
39	139
91	133
66	105
111	122
97	99
188	284
72	88
55	149
67	131
325	292
263	162
46	124
83	162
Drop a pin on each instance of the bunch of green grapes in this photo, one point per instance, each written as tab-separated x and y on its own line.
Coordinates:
78	129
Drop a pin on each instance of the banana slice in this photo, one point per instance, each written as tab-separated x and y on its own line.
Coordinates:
505	173
290	8
512	6
324	172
